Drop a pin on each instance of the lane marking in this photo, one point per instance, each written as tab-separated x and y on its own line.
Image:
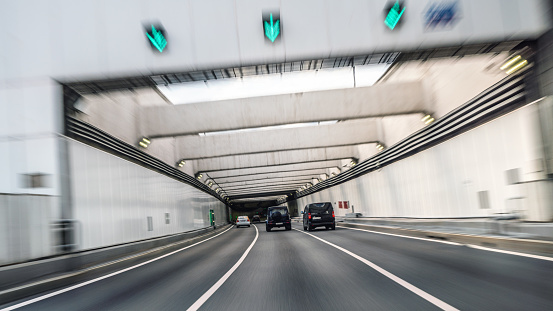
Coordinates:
460	244
61	291
433	300
216	286
509	252
404	236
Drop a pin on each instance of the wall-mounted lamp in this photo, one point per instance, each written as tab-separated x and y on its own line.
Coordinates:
380	147
427	119
514	64
181	163
199	176
144	142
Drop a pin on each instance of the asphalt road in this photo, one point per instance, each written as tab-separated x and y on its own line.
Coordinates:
322	270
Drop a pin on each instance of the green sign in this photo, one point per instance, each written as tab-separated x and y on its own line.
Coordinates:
211	217
394	15
272	30
157	39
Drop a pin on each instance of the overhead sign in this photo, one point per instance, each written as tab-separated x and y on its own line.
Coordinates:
157	38
271	27
393	14
441	14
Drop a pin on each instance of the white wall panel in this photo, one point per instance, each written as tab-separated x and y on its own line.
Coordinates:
444	181
25	227
113	198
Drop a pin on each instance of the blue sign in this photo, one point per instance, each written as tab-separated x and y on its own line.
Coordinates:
441	15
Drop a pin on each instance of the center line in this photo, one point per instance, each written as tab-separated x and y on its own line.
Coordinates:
219	283
433	300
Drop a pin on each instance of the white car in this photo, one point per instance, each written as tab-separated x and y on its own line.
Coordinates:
242	221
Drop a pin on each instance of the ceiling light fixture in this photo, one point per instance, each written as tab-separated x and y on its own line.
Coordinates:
518	66
427	119
144	142
510	62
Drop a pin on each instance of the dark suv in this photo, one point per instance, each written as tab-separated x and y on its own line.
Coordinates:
278	216
318	215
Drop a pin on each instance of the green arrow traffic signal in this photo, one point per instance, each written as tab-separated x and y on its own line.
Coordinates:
272	30
157	39
394	15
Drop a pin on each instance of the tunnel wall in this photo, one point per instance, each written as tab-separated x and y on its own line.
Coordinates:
495	168
113	198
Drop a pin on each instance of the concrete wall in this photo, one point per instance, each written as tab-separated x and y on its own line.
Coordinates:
26	226
31	157
131	115
122	114
87	39
352	132
450	82
501	162
113	198
341	104
29	123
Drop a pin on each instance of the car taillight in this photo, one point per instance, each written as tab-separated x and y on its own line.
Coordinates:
309	215
332	214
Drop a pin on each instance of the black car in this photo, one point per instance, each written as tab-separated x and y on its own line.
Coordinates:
256	218
318	215
278	216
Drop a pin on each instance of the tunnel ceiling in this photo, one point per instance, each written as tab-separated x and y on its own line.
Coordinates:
254	178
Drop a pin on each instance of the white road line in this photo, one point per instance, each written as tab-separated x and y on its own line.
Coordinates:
219	283
61	291
433	300
509	252
460	244
404	236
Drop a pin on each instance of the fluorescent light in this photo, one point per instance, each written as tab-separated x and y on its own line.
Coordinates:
426	117
143	144
510	62
146	140
517	66
272	127
429	121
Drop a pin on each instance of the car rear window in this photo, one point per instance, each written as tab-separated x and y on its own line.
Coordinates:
282	211
321	207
